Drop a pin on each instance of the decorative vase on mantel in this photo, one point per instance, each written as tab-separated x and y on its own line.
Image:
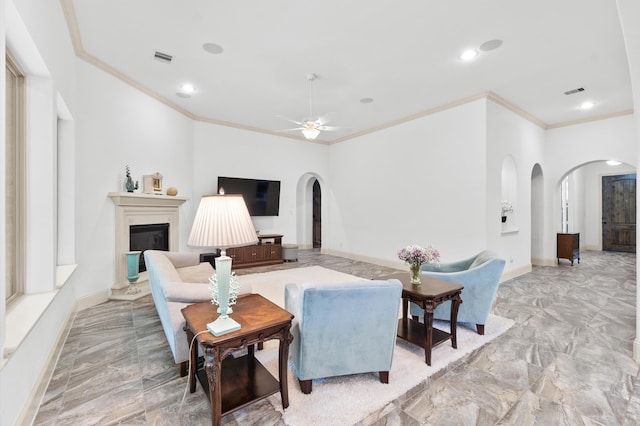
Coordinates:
415	274
129	185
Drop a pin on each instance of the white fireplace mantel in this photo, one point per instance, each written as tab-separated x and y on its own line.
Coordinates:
141	209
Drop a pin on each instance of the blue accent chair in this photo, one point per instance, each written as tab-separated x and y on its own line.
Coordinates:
480	276
343	328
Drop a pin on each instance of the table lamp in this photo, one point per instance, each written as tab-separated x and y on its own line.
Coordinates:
222	221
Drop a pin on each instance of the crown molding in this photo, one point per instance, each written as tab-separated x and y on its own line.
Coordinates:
516	109
257	130
412	117
587	120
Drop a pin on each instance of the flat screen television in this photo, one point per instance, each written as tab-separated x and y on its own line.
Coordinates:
262	197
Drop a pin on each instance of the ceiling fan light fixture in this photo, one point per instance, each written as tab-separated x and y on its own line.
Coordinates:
310	131
468	54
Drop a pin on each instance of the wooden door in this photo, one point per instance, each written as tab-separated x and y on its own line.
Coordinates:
619	213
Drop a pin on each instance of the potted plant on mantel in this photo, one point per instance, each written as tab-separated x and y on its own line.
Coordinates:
506	208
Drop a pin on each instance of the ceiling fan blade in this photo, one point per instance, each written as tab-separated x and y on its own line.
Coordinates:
324	119
290	130
299	123
329	128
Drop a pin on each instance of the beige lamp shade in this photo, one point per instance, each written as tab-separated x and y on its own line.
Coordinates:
222	221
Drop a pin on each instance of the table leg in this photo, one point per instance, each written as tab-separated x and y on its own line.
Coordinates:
428	334
193	360
405	308
283	359
455	304
213	367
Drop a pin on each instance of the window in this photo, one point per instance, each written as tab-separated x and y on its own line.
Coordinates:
564	204
14	180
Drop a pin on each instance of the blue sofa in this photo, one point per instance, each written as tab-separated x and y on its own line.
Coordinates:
480	277
344	328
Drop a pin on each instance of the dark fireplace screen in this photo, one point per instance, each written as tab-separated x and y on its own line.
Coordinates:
148	237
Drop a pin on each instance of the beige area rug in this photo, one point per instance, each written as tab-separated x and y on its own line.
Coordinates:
347	400
271	284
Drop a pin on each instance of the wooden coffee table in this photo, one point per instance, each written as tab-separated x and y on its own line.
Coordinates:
428	295
232	383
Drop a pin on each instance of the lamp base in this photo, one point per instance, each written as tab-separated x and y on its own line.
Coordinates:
222	325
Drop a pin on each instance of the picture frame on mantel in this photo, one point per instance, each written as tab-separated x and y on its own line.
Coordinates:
152	184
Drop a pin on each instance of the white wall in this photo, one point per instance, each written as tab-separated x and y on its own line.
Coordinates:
508	134
117	125
226	151
422	182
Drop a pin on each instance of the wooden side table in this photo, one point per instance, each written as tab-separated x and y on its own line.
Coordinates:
428	295
232	383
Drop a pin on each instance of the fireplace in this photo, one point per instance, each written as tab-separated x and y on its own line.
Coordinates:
143	215
153	236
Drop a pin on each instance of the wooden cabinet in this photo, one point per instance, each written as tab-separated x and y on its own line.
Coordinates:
568	247
268	251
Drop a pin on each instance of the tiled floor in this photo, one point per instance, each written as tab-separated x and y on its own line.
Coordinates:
567	360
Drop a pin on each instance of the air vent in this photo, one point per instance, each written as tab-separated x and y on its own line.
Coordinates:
571	92
163	56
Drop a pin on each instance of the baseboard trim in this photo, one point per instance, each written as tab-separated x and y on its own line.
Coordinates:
92	300
515	272
544	262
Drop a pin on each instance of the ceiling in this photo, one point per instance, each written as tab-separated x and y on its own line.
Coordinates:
403	55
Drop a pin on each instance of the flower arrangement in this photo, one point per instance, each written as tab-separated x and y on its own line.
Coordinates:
417	256
506	206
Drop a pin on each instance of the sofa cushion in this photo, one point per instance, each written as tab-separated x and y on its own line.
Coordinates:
196	274
178	291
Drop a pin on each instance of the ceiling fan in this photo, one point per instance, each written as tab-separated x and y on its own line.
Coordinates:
311	127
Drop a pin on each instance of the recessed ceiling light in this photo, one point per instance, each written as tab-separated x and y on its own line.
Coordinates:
490	45
366	100
216	49
468	54
613	163
187	88
587	105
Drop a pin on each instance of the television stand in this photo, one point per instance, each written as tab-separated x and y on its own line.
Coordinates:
268	251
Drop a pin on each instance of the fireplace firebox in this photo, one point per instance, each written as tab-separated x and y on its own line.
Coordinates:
148	237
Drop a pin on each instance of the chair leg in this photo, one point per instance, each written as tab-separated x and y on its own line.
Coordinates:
384	377
480	328
183	368
415	317
305	386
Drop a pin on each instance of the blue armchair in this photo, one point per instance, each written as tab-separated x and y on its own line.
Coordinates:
480	276
344	328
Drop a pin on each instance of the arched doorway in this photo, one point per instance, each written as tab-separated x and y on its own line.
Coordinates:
312	211
317	215
583	193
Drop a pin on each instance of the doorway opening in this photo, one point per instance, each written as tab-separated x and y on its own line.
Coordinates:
317	215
